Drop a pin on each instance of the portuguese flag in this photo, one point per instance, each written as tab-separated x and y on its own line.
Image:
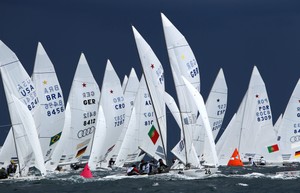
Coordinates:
273	148
153	134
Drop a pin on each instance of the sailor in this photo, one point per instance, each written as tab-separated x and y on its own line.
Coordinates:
262	161
251	162
142	167
111	162
151	167
132	171
161	167
11	168
3	174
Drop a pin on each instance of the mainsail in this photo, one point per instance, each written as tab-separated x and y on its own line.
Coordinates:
154	76
51	112
83	101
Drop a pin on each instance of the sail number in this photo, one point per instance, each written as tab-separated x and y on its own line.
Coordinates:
193	68
55	111
149	114
222	109
32	104
217	125
89	114
264	111
53	104
297	125
89	122
119	120
149	122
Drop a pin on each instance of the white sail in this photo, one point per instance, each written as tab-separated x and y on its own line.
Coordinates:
198	100
289	128
154	76
31	131
51	112
99	139
230	139
83	100
130	92
171	104
183	63
124	82
277	124
62	143
216	105
228	142
17	82
8	150
257	133
113	103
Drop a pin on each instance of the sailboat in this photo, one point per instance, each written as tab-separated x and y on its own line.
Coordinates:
138	138
98	140
113	103
154	77
289	128
199	102
51	113
20	89
130	92
216	105
183	63
251	130
83	103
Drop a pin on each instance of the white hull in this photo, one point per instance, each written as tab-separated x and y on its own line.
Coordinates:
200	172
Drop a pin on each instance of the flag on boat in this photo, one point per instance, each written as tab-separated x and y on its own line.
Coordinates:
273	148
86	172
153	134
55	138
297	154
235	159
80	152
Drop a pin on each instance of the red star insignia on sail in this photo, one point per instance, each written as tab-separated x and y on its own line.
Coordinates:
152	66
111	91
84	84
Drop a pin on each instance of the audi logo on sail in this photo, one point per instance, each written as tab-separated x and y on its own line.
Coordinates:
295	138
85	132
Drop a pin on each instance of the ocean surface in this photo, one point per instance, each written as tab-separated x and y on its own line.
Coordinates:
228	180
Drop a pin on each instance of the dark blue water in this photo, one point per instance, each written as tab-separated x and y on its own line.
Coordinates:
229	180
